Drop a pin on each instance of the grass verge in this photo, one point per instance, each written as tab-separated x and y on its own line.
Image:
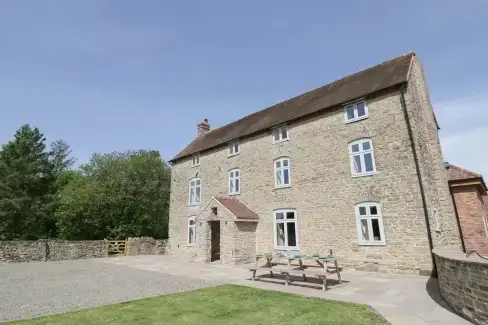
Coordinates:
225	304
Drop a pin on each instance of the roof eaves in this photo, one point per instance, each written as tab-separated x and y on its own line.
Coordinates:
336	106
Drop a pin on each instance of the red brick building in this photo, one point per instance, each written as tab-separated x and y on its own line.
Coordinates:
469	194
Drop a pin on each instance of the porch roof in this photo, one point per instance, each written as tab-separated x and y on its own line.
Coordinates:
238	209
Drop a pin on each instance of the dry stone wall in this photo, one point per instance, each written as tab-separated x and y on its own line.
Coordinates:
463	283
51	250
145	246
55	250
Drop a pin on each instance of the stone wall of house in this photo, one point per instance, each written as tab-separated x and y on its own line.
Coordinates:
322	190
440	209
228	240
245	249
145	246
472	217
463	283
51	250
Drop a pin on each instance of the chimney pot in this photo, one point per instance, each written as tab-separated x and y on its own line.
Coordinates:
203	127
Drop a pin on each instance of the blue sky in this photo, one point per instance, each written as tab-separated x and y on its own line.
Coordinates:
114	75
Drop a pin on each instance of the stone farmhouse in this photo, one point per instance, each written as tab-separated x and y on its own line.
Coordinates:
354	166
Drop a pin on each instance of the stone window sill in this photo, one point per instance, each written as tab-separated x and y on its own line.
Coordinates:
356	119
281	141
365	174
372	244
281	187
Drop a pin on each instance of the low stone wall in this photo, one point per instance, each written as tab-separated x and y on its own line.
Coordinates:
145	246
73	250
17	251
51	250
463	282
22	251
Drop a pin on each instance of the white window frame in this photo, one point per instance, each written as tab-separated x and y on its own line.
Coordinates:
232	181
192	241
281	170
232	148
195	162
356	117
279	131
369	217
194	188
362	153
286	222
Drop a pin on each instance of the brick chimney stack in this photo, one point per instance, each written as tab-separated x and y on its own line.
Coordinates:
203	127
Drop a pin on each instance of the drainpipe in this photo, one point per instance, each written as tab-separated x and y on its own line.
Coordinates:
417	167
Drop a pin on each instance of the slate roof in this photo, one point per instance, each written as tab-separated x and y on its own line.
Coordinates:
380	77
237	208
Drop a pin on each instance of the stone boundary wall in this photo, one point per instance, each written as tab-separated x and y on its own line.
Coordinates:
51	250
145	246
17	251
463	283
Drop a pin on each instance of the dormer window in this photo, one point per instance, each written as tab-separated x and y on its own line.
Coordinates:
195	160
280	134
356	111
234	148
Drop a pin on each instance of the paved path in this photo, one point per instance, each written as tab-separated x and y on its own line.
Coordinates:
34	289
401	299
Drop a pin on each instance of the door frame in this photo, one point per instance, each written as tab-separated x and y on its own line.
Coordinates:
215	230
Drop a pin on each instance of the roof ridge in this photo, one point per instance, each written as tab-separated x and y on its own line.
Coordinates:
374	79
362	70
313	89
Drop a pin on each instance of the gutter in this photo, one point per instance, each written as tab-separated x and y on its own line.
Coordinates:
417	167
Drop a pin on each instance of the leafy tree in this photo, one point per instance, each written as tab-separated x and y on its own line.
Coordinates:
116	195
60	156
62	162
26	186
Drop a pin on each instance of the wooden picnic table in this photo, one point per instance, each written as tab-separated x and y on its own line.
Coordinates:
303	269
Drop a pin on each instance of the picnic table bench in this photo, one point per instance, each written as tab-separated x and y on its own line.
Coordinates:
298	270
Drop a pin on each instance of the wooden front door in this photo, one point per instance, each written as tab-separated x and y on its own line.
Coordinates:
215	242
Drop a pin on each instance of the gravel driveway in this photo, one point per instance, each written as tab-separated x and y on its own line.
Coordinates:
34	289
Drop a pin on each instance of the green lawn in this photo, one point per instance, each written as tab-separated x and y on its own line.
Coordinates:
226	304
